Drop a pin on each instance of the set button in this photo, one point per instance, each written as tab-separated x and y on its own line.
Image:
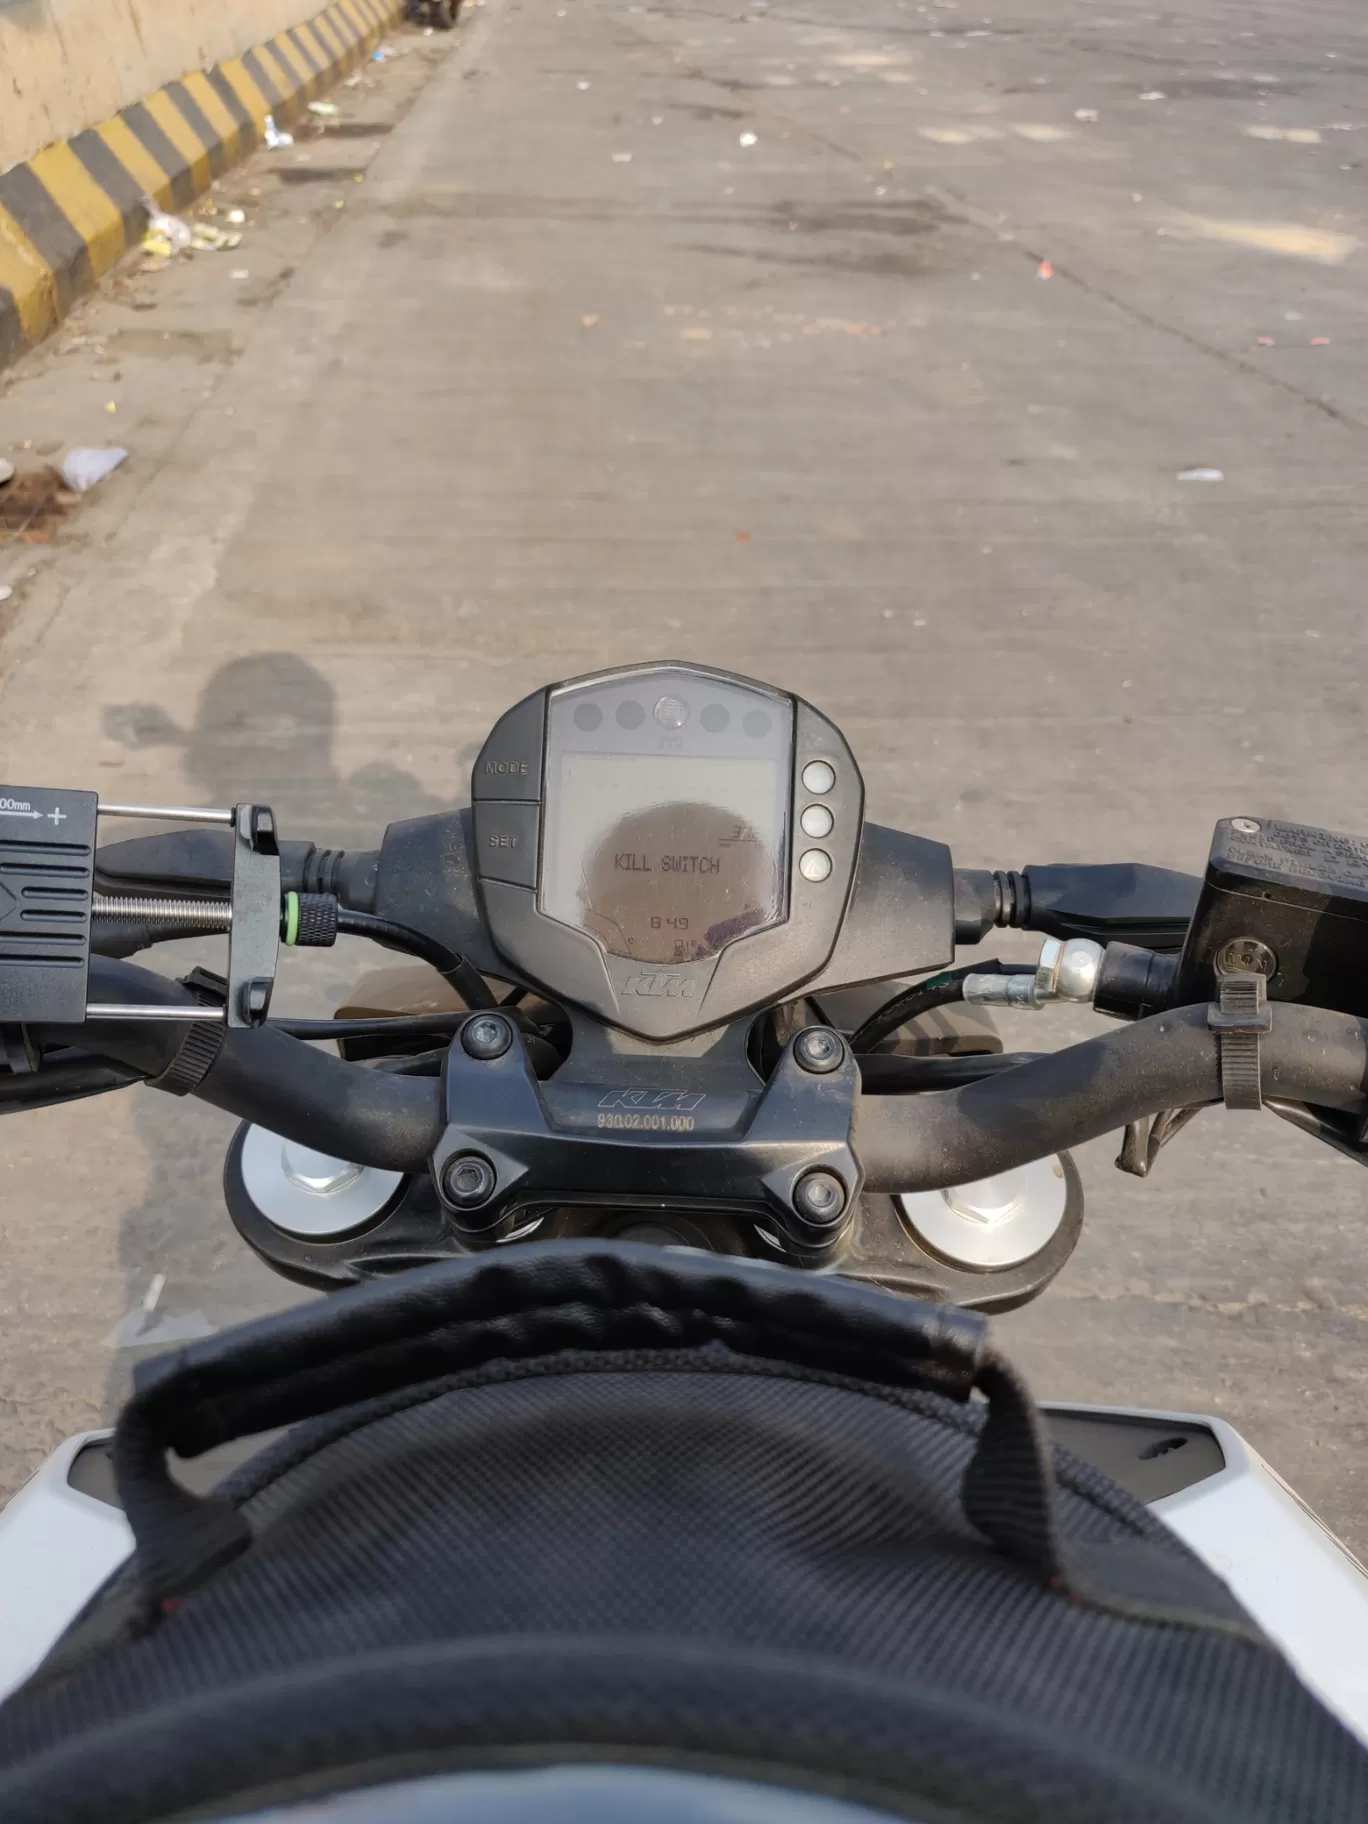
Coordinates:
506	837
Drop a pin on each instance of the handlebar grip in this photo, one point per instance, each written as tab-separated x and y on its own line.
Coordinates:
1171	1060
371	1117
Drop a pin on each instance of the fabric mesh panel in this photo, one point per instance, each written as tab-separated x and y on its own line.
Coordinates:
692	1554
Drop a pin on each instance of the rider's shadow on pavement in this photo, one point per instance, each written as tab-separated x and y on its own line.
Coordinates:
266	730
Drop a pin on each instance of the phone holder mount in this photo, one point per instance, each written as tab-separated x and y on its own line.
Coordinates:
48	900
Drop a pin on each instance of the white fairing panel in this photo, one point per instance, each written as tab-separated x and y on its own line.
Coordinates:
57	1546
1307	1591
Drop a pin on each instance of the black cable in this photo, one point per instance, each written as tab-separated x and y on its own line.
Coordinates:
68	1077
465	979
392	1026
938	991
888	1074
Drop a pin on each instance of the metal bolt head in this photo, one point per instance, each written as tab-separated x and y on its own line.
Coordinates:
819	1197
316	1172
1245	956
819	1049
487	1036
468	1180
1245	825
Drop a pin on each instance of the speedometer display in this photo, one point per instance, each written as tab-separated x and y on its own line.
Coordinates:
664	846
666	859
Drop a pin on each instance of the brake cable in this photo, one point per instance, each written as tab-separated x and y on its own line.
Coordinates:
938	991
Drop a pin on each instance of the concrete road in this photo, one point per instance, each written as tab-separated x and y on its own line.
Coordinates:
722	330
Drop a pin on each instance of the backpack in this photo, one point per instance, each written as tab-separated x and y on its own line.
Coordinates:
606	1502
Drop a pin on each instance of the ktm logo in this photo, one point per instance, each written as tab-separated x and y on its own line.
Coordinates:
657	1101
660	981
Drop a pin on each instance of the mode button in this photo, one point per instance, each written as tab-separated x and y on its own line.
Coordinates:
510	762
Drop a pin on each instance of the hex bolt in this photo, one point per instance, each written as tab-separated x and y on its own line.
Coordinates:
486	1037
819	1197
1245	956
468	1180
819	1049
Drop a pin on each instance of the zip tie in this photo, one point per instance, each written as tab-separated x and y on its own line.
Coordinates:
1239	1019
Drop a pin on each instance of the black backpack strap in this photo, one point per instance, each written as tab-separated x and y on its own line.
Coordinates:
539	1300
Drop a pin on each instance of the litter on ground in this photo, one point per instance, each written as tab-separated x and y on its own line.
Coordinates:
273	136
1200	475
82	469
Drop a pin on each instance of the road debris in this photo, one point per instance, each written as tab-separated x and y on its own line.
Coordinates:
1086	114
83	469
1044	270
208	239
622	158
581	86
111	405
273	136
1265	341
1298	136
141	1327
1154	95
241	272
1200	475
750	139
1320	341
5	592
237	216
326	108
590	321
166	235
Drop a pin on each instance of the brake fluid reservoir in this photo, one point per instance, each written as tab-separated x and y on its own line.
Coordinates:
996	1222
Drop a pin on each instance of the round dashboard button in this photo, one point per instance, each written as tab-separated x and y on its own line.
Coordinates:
715	718
814	864
817	820
588	716
672	712
818	777
756	723
630	714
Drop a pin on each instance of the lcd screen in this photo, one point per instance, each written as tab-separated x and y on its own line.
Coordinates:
665	859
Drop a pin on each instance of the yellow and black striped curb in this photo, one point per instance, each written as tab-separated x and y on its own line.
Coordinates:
69	213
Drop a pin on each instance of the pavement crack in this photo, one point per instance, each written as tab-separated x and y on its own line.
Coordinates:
1212	1307
971	212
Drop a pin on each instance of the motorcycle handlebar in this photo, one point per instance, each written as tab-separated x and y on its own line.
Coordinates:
369	1116
906	1143
1168	1061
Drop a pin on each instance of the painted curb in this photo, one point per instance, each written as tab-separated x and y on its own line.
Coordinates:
71	211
